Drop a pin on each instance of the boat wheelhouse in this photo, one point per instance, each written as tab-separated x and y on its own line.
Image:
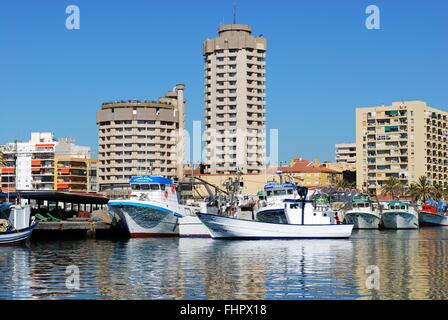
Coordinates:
280	191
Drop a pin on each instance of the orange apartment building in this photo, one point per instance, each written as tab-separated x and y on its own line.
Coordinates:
46	164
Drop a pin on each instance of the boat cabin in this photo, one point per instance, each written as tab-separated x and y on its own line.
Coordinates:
361	204
152	188
296	211
321	204
280	190
398	205
429	208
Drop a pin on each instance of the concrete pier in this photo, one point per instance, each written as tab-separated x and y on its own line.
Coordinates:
72	229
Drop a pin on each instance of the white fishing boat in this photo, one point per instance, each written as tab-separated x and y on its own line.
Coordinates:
400	215
363	214
430	216
153	210
189	224
298	220
16	225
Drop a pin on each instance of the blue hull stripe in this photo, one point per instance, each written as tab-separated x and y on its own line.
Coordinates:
138	204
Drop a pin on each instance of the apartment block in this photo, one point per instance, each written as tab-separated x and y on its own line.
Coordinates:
75	175
32	165
345	153
140	137
405	140
235	101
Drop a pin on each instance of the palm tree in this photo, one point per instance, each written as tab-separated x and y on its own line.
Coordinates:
392	187
413	192
423	188
438	192
344	184
2	160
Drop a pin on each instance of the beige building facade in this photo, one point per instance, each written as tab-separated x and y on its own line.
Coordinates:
405	140
235	101
141	137
345	153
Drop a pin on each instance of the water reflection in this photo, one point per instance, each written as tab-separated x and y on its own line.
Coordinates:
412	266
411	263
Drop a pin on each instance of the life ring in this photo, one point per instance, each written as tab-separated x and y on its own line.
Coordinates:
166	194
172	188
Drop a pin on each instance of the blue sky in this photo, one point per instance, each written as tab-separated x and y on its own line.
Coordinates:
322	62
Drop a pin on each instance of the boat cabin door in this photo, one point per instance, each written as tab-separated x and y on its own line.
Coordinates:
293	211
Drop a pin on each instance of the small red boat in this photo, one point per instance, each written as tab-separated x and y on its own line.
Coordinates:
429	216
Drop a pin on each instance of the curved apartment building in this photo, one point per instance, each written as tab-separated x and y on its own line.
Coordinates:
235	101
140	137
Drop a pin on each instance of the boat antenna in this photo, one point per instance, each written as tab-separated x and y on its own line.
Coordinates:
234	13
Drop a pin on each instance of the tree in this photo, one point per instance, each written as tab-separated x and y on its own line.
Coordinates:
438	192
344	184
413	192
422	189
2	160
392	187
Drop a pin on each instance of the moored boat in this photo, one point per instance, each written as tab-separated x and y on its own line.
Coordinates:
153	210
363	214
16	226
430	216
189	224
400	215
297	221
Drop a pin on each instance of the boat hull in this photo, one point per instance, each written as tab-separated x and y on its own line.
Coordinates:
362	220
17	237
145	221
400	220
432	219
228	228
192	227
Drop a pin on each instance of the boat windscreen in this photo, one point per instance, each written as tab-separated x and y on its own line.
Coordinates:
145	187
272	216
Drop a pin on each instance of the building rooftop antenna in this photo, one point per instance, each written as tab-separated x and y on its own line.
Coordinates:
234	13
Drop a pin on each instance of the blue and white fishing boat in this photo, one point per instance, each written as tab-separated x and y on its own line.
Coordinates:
363	214
400	215
153	210
16	226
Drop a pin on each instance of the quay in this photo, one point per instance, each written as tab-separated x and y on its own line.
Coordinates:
66	215
72	229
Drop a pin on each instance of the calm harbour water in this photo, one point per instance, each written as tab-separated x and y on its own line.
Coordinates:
413	265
